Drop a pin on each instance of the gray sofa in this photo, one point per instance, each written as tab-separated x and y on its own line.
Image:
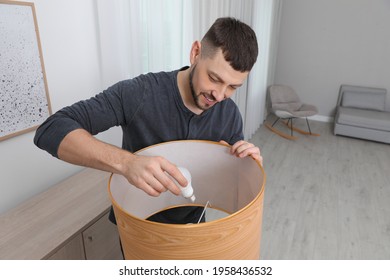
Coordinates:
361	113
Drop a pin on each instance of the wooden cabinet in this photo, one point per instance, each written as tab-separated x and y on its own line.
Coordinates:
101	241
73	250
67	222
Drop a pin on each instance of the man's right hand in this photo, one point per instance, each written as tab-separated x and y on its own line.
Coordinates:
150	174
146	173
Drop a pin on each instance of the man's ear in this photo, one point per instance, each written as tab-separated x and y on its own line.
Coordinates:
195	52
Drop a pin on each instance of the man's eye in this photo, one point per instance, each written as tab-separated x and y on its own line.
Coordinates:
212	79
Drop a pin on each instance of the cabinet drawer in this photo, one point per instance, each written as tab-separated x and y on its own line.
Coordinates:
101	241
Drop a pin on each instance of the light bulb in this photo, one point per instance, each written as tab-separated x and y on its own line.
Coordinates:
187	191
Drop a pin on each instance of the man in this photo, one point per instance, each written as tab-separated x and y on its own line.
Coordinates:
190	103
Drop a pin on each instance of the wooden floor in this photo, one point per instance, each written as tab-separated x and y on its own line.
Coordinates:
326	197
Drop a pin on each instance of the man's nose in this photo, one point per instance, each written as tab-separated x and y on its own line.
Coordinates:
220	94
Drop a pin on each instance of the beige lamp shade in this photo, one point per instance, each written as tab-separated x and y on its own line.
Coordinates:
230	184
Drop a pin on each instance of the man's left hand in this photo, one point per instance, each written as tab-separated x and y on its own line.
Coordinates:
243	149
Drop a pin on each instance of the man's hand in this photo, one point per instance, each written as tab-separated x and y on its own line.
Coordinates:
146	173
243	149
150	174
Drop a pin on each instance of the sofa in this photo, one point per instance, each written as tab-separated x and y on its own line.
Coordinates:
361	113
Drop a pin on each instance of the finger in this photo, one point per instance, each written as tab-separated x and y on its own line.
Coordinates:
147	189
261	160
258	157
172	174
224	142
156	185
236	145
240	149
168	183
247	151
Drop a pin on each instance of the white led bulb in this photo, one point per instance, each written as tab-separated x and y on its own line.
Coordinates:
187	191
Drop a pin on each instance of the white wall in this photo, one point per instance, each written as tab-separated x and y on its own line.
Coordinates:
69	38
326	43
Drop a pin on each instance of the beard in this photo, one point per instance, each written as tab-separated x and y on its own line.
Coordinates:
193	92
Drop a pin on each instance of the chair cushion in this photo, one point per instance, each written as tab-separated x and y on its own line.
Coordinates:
364	118
284	98
364	100
305	110
289	107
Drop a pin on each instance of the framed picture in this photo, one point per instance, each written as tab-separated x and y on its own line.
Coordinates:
24	97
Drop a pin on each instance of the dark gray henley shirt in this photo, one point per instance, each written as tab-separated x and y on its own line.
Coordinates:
150	110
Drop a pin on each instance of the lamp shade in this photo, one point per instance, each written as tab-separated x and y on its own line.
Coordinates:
230	184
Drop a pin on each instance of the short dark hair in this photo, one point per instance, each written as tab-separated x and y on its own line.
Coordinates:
236	39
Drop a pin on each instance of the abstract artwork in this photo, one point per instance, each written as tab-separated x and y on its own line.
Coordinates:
24	98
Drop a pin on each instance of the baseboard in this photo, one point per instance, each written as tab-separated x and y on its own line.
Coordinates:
322	118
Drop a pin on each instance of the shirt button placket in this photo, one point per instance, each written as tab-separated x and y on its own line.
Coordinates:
192	128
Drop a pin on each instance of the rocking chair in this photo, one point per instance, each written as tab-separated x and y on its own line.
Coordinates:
286	105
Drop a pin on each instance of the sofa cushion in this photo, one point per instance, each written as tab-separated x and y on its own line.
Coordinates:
364	118
364	100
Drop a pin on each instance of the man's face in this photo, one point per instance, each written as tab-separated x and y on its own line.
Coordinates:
213	80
